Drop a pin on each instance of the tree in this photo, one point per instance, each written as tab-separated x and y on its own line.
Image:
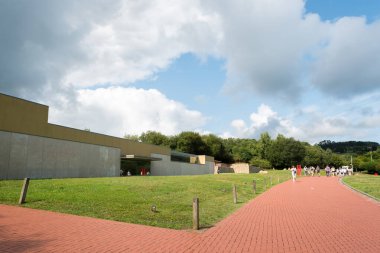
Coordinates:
364	161
336	160
216	148
264	144
371	167
285	152
358	147
228	145
261	163
191	142
173	142
327	157
155	138
314	156
241	154
131	137
242	150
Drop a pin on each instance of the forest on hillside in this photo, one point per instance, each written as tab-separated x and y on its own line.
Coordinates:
356	147
265	152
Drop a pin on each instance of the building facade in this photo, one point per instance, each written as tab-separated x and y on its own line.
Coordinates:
32	147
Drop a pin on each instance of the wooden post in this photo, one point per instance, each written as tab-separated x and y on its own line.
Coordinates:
195	213
254	186
234	194
24	191
278	179
265	184
270	180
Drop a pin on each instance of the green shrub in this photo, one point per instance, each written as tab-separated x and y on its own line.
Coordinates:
262	163
371	167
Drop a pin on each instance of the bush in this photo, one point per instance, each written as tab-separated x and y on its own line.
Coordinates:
262	163
371	167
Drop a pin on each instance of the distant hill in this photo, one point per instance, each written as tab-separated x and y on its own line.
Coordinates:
358	147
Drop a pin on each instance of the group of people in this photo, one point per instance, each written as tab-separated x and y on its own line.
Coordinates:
341	171
330	171
128	173
310	171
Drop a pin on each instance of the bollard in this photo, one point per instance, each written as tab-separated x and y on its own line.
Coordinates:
265	184
24	191
278	179
254	186
234	194
195	213
270	180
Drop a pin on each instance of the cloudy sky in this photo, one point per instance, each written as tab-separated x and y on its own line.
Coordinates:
306	69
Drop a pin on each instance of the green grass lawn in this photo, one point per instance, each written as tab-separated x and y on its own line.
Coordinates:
129	199
366	183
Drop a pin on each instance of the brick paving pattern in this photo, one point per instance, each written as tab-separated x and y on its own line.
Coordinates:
311	215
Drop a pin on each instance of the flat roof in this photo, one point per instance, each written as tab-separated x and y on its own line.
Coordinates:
139	158
22	99
182	154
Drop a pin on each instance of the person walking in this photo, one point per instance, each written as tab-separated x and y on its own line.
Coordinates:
318	170
311	171
327	169
294	173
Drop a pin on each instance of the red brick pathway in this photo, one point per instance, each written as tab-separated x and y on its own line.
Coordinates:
311	215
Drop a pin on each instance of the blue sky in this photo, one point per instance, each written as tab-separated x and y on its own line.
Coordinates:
308	70
334	9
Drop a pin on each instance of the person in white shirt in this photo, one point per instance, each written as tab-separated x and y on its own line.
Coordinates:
294	173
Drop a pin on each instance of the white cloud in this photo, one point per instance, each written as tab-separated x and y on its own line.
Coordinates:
325	127
369	122
142	38
62	50
39	42
82	44
274	48
262	117
265	43
264	120
269	45
240	127
348	65
312	124
118	111
349	119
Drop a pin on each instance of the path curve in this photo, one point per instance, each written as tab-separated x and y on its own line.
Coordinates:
311	215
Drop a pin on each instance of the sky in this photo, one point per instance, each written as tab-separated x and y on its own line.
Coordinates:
305	69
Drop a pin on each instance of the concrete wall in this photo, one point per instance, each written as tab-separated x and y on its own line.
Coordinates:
244	168
203	159
166	167
223	169
30	146
26	117
23	155
18	115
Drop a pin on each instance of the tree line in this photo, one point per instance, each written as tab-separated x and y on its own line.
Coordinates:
265	152
356	147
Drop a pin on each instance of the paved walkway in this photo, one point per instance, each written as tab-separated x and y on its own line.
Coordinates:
311	215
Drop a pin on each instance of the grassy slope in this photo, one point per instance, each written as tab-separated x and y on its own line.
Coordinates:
129	199
366	183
